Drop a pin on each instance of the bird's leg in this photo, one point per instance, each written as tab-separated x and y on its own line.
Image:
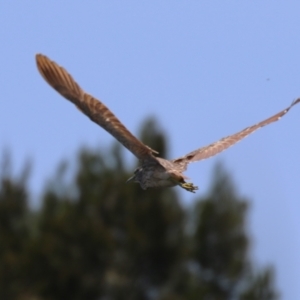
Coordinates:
188	186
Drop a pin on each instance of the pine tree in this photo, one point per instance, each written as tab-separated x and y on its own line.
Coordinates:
96	237
14	231
219	265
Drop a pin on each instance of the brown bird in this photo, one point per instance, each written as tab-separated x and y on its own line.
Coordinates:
153	171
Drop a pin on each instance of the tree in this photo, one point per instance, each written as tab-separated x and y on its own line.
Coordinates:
221	242
14	231
99	238
219	264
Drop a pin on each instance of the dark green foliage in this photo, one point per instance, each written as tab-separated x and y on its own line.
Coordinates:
260	286
220	240
99	238
14	231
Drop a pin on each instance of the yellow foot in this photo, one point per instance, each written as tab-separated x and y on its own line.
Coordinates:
188	186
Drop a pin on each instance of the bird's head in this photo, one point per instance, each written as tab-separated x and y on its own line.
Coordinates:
137	176
134	177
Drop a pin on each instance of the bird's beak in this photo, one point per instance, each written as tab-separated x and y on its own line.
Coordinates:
130	179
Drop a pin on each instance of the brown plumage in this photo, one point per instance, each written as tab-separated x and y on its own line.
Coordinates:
154	171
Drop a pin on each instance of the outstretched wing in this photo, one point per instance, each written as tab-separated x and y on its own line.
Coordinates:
226	142
63	83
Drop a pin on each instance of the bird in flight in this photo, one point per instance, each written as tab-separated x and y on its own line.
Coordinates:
153	171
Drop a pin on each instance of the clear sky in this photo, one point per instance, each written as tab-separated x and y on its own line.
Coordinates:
204	69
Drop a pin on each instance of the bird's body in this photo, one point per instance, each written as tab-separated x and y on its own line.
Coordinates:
164	174
153	171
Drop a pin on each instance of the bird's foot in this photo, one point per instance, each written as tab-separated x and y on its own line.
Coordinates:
188	186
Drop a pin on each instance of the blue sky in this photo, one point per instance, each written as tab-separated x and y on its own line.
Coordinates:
204	69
